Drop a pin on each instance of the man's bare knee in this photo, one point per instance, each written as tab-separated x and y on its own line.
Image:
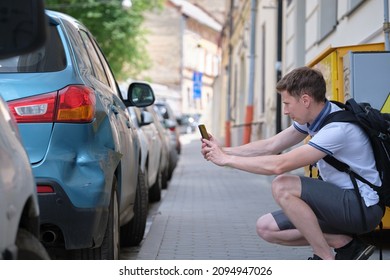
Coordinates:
266	227
285	185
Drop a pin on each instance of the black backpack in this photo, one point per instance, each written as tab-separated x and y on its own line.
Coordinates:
377	126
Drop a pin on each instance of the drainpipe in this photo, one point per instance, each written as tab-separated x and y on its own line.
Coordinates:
279	67
229	86
249	107
386	24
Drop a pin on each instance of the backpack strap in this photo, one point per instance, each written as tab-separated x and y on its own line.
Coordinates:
339	116
346	116
343	116
343	167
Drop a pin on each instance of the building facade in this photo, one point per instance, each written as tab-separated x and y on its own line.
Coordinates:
310	30
249	63
183	43
328	34
227	71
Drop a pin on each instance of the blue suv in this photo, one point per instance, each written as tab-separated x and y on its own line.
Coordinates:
80	140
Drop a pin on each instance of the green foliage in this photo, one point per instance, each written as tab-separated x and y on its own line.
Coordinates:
117	30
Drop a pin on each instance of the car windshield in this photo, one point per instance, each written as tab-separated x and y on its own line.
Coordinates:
49	58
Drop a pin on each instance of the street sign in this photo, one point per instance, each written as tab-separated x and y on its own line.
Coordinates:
197	85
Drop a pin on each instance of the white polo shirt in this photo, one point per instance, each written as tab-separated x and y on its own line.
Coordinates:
348	143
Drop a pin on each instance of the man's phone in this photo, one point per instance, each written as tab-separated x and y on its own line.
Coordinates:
203	131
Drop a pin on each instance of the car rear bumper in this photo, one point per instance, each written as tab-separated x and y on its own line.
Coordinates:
79	165
62	222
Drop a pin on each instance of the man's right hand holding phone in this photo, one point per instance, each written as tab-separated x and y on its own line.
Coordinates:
210	147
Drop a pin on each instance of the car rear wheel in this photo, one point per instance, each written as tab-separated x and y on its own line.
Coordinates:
133	232
109	249
29	247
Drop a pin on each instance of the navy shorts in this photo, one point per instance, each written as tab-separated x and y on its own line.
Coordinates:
338	210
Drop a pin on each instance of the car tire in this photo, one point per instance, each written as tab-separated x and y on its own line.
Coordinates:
173	159
164	179
155	190
109	249
133	232
29	247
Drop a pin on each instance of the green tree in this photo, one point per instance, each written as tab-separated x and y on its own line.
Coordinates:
117	30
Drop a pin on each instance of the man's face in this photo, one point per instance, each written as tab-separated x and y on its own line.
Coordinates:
294	107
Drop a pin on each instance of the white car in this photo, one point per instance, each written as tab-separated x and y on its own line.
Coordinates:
19	210
154	154
169	121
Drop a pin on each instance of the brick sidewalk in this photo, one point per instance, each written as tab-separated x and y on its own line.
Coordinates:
209	212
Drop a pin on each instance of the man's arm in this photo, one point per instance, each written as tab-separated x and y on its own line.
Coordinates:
271	164
271	146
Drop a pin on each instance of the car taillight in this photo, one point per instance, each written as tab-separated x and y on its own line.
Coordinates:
45	189
34	109
74	103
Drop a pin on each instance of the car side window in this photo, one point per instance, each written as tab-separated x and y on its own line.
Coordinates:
96	63
83	61
107	68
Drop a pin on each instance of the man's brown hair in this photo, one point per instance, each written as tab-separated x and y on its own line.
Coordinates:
304	80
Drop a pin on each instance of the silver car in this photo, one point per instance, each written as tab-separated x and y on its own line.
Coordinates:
169	122
19	210
163	135
157	150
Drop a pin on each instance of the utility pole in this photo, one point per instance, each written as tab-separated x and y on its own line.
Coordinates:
251	84
229	86
279	66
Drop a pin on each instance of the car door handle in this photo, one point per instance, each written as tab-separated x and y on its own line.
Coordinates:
115	110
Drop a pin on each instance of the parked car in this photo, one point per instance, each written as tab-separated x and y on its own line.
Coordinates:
156	154
19	210
168	119
83	150
157	127
141	206
188	123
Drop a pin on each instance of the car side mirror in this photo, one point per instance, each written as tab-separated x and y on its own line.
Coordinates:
140	95
23	27
146	118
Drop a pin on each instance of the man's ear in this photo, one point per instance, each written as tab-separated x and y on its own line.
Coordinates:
306	99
